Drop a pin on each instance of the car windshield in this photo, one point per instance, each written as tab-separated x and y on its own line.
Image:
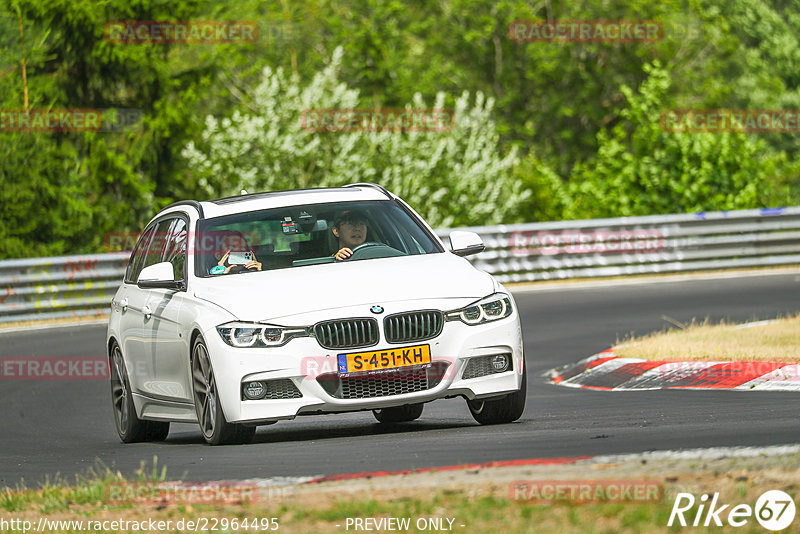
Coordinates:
310	234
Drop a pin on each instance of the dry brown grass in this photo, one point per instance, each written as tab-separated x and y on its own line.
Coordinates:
774	341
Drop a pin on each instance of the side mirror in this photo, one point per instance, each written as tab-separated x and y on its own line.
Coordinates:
159	276
465	243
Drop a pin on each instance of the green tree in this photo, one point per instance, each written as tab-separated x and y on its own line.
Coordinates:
455	177
641	169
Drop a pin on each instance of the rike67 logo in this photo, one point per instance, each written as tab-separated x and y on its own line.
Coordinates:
774	510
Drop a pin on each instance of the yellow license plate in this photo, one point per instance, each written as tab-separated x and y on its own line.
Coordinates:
375	360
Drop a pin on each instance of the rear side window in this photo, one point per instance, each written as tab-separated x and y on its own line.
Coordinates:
163	241
175	247
137	256
155	251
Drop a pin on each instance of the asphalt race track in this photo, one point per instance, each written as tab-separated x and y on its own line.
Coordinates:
66	427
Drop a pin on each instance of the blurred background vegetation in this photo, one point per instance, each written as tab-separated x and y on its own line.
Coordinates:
544	131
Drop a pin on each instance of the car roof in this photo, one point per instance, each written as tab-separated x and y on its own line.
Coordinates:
278	199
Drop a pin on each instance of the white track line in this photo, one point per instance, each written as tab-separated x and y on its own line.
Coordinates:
710	453
786	378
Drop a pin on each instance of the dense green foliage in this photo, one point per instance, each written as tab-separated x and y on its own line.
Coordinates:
545	131
455	176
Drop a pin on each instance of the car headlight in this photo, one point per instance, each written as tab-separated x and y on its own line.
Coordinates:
245	335
492	308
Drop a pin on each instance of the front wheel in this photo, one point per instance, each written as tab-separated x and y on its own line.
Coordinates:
398	414
503	410
130	428
216	430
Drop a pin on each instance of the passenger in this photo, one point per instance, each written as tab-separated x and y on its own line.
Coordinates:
253	264
228	241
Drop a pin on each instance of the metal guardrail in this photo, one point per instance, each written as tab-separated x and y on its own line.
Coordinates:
61	286
640	245
82	286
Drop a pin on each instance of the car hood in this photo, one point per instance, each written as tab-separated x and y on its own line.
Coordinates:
264	296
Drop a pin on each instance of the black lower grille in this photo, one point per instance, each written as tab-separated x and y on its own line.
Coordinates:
347	333
384	384
413	326
482	366
282	388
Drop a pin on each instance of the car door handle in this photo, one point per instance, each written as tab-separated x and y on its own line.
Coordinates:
124	304
147	311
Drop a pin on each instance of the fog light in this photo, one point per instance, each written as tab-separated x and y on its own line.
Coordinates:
254	390
500	362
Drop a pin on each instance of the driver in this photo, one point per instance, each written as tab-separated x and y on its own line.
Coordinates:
350	227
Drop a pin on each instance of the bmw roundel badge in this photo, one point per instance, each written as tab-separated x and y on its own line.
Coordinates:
376	309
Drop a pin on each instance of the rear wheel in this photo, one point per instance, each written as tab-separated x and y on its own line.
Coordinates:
216	430
503	410
398	414
130	428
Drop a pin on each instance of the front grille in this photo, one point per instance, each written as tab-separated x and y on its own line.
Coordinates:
413	326
282	388
347	333
481	366
384	384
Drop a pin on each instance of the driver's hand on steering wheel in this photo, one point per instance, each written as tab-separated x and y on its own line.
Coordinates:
343	254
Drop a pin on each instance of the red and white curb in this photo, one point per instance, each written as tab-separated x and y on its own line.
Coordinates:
607	371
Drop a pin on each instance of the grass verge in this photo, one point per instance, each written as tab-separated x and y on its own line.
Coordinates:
458	501
772	341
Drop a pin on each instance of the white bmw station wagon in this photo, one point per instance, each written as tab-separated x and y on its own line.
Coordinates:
247	310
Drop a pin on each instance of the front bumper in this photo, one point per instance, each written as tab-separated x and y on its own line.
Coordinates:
308	366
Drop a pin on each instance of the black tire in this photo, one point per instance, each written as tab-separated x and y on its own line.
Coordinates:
215	428
503	410
398	414
130	428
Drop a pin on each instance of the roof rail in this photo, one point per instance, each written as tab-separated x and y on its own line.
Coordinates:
370	184
195	204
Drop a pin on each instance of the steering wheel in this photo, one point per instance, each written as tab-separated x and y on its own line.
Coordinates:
374	249
362	246
366	244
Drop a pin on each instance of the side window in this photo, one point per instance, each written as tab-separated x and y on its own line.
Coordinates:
175	249
155	252
137	256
